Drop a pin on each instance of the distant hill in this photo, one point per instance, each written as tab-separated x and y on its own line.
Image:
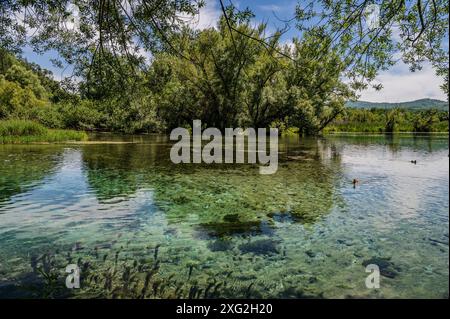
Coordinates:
422	104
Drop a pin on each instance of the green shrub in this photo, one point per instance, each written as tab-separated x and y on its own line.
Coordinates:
26	79
426	121
82	115
17	102
441	126
49	116
21	128
392	120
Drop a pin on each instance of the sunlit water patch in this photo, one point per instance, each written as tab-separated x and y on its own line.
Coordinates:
140	226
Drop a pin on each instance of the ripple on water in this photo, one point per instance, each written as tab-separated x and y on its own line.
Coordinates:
303	232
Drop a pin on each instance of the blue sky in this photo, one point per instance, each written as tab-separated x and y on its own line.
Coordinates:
399	84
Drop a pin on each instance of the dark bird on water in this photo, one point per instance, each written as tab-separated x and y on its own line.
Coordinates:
414	161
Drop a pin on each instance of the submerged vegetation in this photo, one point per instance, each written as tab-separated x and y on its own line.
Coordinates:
139	226
111	273
221	207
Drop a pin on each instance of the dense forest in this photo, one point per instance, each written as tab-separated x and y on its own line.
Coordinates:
212	82
164	101
390	121
235	74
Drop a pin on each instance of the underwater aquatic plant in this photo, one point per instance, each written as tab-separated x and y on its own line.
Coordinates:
127	277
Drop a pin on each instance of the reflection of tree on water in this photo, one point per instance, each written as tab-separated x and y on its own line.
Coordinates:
424	141
117	170
23	167
218	200
395	142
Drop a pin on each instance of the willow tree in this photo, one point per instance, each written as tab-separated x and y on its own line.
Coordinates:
21	91
372	35
316	91
225	79
82	31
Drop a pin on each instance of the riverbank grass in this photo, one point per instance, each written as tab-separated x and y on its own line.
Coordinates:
25	132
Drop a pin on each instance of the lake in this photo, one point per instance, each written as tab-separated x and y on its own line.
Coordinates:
139	226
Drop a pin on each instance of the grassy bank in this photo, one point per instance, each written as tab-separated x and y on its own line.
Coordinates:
24	132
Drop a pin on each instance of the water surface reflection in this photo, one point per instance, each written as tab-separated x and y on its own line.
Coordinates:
304	231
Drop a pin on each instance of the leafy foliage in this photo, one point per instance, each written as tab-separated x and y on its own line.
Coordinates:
228	76
16	101
82	31
229	79
372	35
396	120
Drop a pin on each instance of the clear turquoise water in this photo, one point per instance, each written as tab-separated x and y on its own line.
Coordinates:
124	213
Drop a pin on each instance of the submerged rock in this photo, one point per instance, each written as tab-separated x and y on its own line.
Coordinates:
435	242
220	245
302	217
231	218
233	225
171	232
260	247
281	217
387	267
227	229
77	246
344	242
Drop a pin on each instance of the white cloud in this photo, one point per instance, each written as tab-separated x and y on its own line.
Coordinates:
288	43
207	17
400	85
147	55
269	7
73	21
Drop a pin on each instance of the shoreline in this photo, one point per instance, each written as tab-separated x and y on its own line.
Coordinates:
34	140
